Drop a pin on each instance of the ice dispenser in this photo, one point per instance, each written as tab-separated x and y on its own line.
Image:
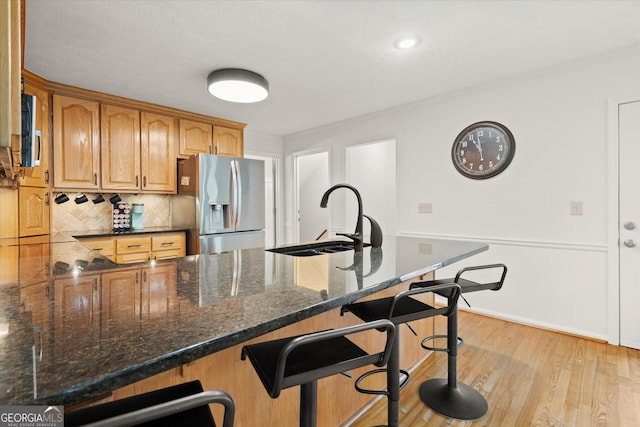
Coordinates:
218	216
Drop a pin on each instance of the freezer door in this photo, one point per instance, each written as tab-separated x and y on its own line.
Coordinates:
249	212
218	243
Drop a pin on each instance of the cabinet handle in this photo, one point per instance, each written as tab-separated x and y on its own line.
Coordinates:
210	152
167	243
98	249
144	181
136	277
134	246
95	179
46	176
46	198
136	180
144	276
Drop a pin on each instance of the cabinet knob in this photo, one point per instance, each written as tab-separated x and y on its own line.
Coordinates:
630	243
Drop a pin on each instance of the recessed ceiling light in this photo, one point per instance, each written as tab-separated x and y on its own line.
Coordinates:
407	42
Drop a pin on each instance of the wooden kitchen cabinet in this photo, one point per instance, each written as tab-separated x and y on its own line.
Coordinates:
168	245
138	247
33	205
158	157
39	176
228	141
195	137
198	137
76	143
138	151
102	245
132	249
120	148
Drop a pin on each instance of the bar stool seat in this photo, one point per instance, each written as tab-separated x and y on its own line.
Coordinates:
447	396
183	404
400	308
302	360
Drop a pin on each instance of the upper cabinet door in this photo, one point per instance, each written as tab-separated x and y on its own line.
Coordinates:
158	153
120	132
228	141
40	174
195	137
76	142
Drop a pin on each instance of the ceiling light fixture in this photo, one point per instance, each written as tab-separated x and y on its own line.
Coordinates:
407	42
237	85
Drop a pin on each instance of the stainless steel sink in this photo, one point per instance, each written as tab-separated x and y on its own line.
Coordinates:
318	248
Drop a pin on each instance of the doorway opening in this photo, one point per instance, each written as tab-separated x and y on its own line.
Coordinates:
311	172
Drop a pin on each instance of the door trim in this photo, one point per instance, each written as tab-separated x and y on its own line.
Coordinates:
613	213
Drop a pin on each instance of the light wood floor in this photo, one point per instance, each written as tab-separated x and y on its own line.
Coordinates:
530	377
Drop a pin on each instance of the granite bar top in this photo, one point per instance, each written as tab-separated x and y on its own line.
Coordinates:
74	325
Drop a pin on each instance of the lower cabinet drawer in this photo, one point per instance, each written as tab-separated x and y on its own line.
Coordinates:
133	246
102	245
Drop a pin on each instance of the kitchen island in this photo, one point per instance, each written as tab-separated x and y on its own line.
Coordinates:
77	327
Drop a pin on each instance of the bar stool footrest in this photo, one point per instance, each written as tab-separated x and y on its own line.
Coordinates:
434	337
403	382
460	401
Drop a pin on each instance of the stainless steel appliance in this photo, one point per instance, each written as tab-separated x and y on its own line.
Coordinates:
221	201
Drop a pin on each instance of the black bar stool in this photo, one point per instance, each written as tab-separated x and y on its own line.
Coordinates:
448	397
398	309
180	405
304	359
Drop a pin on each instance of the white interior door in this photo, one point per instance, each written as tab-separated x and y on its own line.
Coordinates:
629	223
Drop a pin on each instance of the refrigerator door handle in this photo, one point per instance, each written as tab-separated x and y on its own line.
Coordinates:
236	193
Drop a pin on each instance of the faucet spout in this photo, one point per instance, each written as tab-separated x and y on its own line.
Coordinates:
357	235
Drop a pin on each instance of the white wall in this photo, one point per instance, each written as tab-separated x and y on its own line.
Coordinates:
557	262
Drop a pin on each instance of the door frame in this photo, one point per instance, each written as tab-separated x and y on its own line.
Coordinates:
613	213
296	186
277	190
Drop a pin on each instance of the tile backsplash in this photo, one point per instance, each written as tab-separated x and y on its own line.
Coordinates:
70	216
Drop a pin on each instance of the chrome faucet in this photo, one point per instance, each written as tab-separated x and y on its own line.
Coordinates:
357	235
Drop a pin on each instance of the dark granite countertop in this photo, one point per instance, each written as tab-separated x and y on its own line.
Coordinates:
109	232
74	325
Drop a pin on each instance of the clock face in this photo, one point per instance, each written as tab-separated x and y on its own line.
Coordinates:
483	150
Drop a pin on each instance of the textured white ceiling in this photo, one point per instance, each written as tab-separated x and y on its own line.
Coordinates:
325	60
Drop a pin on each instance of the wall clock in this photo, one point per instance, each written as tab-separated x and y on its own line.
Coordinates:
483	150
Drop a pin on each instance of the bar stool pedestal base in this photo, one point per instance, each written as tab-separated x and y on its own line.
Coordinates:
460	402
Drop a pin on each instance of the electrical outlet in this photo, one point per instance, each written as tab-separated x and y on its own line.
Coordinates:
424	248
425	207
576	207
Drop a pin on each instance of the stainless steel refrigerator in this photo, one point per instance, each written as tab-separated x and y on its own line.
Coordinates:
221	201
